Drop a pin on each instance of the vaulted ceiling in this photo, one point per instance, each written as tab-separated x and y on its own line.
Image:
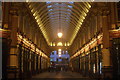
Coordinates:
54	17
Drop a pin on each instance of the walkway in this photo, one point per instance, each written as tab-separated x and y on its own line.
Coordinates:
60	76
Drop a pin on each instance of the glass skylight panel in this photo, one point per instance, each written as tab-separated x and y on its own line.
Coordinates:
50	9
56	3
59	13
68	9
67	12
48	2
66	19
63	5
54	15
51	13
71	2
69	6
49	6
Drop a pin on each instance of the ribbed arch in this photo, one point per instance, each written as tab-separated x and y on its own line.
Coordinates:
51	16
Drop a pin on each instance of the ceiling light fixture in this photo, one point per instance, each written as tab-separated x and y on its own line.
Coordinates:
60	34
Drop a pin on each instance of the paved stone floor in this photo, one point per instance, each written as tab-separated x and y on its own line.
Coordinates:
60	75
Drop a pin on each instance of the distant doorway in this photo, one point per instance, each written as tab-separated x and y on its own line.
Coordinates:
59	61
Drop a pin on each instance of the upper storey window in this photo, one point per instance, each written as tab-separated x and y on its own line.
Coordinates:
118	10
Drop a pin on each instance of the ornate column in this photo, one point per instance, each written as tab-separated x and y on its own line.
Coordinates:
5	39
40	63
106	64
102	11
22	13
13	56
13	50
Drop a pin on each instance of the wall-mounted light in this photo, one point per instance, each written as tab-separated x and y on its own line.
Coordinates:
59	44
53	44
65	44
68	44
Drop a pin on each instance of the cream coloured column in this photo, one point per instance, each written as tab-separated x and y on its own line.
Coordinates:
106	65
13	56
103	12
13	50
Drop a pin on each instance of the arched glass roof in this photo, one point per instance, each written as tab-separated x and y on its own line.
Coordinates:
54	17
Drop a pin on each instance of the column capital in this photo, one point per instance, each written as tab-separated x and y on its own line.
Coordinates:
14	9
14	12
18	9
101	9
22	12
105	11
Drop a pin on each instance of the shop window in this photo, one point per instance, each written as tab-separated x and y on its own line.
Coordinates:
93	68
100	67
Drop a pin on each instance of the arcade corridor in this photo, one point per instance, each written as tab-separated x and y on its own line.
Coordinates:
60	40
59	75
